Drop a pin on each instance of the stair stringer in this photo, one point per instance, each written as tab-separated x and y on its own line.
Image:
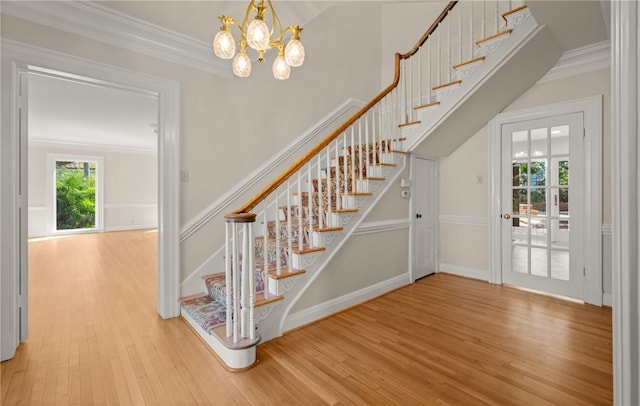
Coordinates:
444	129
273	326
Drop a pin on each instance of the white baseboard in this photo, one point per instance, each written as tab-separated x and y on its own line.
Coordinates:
129	228
474	273
607	300
332	306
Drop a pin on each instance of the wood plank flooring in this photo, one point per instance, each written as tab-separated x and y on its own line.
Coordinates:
96	339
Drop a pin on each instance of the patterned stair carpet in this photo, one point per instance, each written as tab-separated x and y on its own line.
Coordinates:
209	310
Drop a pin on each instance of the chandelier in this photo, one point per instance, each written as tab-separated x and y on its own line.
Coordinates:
258	36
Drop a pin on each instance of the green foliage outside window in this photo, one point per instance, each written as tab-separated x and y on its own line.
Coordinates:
75	195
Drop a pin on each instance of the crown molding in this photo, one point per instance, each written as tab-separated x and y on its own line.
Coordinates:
580	60
100	23
82	146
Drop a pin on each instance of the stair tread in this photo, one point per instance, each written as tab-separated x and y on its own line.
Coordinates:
359	193
285	273
455	82
470	61
409	123
205	311
424	106
496	35
327	229
213	276
308	250
191	297
345	211
515	10
261	301
242	343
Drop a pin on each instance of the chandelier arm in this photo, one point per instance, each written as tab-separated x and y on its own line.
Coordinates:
245	21
276	21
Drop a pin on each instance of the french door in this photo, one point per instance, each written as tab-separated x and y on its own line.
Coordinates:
542	199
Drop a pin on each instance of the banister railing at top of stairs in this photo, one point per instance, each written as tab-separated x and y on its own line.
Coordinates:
310	195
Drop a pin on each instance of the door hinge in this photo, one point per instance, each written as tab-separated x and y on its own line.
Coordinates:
584	271
584	132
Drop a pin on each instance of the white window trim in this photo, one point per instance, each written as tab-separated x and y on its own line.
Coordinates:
51	192
591	108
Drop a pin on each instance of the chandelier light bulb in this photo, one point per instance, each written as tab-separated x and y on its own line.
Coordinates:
258	35
241	64
224	46
294	53
281	70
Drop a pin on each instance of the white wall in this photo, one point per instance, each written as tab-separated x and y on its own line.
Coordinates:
130	189
229	127
464	203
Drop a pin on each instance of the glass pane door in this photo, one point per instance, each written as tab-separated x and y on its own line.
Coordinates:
539	195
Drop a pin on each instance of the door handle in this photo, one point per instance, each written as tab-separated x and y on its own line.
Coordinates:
418	215
507	216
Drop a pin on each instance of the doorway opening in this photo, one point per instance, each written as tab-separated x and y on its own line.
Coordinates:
20	61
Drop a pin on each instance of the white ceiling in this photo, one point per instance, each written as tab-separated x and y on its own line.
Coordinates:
69	113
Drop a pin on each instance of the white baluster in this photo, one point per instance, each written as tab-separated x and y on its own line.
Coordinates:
265	251
420	89
449	46
235	285
337	189
360	157
497	17
345	170
278	237
329	183
300	216
460	31
310	201
471	35
252	282
410	104
483	28
320	195
289	226
228	280
366	144
244	283
439	56
353	160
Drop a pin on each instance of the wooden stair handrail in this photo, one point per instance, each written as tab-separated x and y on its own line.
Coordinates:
326	141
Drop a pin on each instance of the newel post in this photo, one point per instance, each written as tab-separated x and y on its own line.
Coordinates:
240	275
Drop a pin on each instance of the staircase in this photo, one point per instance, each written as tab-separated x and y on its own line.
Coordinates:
280	241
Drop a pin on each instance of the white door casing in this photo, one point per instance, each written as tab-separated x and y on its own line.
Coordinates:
424	213
591	108
20	59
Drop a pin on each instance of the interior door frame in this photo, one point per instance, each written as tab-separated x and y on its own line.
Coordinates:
591	107
412	211
18	58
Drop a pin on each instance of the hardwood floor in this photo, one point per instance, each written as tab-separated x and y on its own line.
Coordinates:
95	338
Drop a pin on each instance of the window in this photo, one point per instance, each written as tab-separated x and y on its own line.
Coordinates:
75	193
